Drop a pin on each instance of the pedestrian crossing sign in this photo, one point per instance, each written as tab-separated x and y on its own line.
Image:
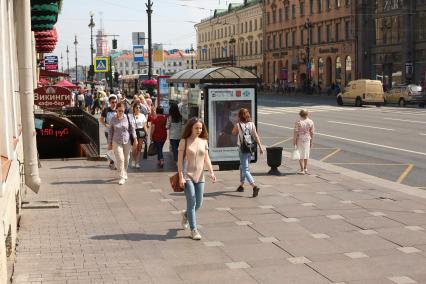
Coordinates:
101	64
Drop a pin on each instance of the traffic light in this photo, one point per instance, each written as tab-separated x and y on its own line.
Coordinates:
114	44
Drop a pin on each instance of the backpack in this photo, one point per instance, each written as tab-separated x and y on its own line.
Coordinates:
247	144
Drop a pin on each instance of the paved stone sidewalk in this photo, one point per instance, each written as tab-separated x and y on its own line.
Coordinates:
323	228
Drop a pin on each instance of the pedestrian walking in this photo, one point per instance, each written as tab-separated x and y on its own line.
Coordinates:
121	131
194	147
106	115
159	133
245	129
302	139
88	101
141	130
174	125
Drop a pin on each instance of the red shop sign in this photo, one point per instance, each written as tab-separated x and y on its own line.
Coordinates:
52	97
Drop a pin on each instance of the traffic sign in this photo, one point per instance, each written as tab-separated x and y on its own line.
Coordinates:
138	53
101	64
138	38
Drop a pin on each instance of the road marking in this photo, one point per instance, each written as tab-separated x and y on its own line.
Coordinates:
360	125
278	143
405	173
423	134
405	120
353	140
369	164
330	155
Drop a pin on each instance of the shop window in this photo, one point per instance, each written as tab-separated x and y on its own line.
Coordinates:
348	70
338	71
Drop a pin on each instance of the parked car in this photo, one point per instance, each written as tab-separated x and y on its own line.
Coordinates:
362	92
406	94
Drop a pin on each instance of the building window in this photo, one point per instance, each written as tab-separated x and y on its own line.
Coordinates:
302	8
348	32
251	26
255	47
293	38
268	18
286	13
293	11
255	24
311	7
327	5
260	23
261	46
274	41
280	15
337	32
319	34
247	49
286	39
302	39
319	6
338	4
242	27
328	31
320	71
274	16
251	48
245	24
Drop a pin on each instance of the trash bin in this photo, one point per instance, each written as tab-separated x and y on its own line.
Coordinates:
274	157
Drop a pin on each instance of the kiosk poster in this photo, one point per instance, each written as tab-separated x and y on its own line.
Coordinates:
223	108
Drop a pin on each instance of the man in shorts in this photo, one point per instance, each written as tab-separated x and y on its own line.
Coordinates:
106	115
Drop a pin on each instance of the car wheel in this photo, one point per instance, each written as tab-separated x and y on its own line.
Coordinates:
385	102
358	102
339	101
401	102
379	104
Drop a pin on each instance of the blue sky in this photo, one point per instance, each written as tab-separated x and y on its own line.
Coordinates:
172	23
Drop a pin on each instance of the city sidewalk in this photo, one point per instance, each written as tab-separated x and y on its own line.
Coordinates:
333	226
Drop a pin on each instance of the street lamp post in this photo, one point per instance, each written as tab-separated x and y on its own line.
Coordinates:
62	63
149	12
91	26
232	47
192	56
76	70
308	26
68	60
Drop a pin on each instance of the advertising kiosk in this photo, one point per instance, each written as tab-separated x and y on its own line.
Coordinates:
216	95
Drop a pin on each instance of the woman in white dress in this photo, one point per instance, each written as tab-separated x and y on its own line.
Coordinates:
302	139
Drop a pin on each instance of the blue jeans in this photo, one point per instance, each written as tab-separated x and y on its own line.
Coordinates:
244	167
159	147
175	144
194	198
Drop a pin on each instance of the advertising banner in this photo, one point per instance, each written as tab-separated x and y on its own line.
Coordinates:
223	105
158	55
163	93
51	62
52	97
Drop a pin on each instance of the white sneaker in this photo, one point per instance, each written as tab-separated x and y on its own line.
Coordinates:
125	176
195	235
121	181
184	221
306	172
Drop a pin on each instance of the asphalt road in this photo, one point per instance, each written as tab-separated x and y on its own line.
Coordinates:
387	142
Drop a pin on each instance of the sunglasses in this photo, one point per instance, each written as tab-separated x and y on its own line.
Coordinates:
113	102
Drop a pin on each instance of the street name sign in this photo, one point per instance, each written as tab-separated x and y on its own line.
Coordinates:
51	62
101	64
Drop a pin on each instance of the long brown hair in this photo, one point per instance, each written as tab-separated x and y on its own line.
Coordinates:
187	132
244	115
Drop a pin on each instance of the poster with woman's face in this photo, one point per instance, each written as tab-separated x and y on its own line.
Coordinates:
223	107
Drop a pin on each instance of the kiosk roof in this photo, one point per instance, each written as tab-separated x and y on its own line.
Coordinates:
213	75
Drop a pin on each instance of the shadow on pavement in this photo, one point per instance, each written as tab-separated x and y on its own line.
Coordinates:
136	237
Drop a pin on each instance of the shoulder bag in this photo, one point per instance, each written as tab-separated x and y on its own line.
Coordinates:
140	132
174	179
132	139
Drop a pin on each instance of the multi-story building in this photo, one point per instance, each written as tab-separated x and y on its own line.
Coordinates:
18	150
392	40
233	37
173	61
310	40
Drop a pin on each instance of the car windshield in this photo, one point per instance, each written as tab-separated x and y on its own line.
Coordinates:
415	88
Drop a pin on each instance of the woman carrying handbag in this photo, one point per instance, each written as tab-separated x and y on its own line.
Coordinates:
191	170
141	130
245	127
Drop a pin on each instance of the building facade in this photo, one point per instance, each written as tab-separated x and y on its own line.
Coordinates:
392	41
310	40
18	151
233	37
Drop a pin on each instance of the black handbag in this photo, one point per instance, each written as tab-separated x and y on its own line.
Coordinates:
140	133
132	139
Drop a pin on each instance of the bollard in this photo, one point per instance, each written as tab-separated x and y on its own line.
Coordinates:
274	157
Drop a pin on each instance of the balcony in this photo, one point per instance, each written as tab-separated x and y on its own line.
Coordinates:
222	61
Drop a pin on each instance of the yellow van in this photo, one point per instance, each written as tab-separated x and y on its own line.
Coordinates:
362	92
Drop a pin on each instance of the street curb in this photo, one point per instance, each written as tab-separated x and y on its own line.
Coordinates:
367	178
